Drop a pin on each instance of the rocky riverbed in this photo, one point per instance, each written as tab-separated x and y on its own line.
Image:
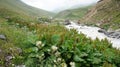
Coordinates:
95	32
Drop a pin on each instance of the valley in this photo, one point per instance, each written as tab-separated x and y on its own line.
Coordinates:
82	37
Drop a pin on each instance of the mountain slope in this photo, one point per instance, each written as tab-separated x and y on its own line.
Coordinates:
105	13
18	8
73	13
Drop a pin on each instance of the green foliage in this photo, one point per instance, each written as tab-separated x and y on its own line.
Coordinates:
53	45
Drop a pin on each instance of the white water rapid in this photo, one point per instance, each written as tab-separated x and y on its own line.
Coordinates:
93	33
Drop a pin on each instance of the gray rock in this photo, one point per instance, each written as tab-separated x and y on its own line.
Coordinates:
118	37
103	31
8	58
110	34
2	37
114	35
67	22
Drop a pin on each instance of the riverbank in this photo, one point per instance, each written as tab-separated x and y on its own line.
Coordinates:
93	33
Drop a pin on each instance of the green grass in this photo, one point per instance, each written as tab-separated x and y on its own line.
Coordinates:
71	47
46	45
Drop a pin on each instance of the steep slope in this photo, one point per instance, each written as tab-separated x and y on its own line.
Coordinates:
73	13
18	8
106	13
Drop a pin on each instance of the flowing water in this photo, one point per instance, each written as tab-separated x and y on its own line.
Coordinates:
93	33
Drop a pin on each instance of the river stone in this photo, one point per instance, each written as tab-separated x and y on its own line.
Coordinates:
114	35
103	31
67	22
2	37
118	37
110	34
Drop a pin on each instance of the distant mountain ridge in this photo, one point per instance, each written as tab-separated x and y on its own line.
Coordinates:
74	13
18	8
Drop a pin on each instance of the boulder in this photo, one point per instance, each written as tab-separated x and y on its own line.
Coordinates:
2	37
114	35
118	37
67	22
103	31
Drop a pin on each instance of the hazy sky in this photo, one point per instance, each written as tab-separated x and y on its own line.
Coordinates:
51	5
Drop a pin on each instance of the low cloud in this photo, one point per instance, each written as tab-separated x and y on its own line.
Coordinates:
51	5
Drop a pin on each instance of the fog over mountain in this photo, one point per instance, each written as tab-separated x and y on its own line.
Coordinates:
52	5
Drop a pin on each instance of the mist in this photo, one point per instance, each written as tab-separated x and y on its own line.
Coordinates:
58	5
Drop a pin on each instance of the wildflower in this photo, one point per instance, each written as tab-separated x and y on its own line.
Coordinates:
54	61
42	54
59	59
63	65
48	50
38	43
32	24
42	45
57	54
72	64
13	64
17	24
13	57
54	48
54	66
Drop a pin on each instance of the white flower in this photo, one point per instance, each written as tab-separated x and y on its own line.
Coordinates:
38	43
32	24
63	65
13	64
43	45
54	66
54	48
59	59
13	57
54	61
43	54
57	54
72	64
48	50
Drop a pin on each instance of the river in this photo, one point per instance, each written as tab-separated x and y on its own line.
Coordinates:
93	33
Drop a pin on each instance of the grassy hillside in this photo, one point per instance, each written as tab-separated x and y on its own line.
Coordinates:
41	45
73	13
25	44
16	8
106	13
